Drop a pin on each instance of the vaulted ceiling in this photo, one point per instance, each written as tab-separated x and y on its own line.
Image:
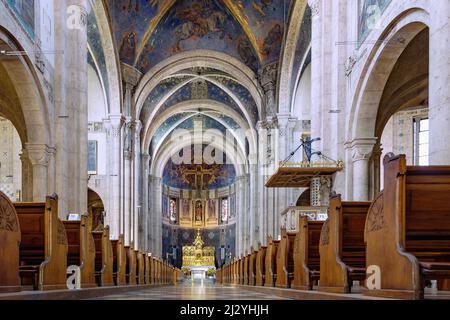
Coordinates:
149	31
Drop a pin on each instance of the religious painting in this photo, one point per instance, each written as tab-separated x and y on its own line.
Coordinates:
186	206
198	212
370	12
233	206
165	206
173	212
224	209
24	10
212	212
92	157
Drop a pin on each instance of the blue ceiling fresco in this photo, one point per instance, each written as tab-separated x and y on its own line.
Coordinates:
24	10
197	174
149	31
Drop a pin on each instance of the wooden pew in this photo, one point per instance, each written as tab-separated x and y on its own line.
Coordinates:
140	270
245	272
120	261
285	260
306	254
147	276
131	265
260	266
342	247
81	250
153	270
252	268
43	249
408	229
270	263
104	258
9	246
241	271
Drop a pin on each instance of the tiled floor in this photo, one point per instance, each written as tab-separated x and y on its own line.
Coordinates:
188	291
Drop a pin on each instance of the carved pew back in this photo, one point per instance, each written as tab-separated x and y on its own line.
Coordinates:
120	261
9	246
260	266
104	258
285	260
252	269
408	228
43	250
140	267
81	250
246	270
342	247
147	263
306	254
270	262
131	265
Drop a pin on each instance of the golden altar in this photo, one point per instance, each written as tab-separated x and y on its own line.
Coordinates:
198	255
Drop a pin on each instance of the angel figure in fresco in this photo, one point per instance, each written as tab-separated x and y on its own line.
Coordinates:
128	46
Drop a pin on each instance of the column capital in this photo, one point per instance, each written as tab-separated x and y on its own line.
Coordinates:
38	154
362	148
130	75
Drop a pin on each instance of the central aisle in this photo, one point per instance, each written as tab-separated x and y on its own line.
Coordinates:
187	291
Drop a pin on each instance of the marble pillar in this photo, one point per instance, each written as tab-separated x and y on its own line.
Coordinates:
361	154
115	212
39	159
439	93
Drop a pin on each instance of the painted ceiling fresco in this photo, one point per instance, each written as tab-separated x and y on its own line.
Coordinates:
197	174
24	10
187	85
149	31
185	121
370	12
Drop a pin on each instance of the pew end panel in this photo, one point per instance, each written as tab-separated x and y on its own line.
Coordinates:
342	247
385	238
10	237
270	262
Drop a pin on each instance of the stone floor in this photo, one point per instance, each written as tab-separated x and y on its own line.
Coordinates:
189	291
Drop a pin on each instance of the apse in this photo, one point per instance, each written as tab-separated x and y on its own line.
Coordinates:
199	197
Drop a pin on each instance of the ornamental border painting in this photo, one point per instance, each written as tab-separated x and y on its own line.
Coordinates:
24	10
370	12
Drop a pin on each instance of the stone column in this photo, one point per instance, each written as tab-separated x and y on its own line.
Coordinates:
439	97
316	68
115	212
361	152
145	158
137	204
39	158
27	177
127	183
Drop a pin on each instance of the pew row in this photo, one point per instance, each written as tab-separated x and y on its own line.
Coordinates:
306	254
342	247
81	250
285	260
104	258
9	249
43	247
270	262
408	230
119	261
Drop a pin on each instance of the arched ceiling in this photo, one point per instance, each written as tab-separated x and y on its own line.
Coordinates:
149	31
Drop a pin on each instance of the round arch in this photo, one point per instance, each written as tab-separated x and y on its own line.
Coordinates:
198	58
297	10
380	63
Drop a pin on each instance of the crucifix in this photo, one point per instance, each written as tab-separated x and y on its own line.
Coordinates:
199	173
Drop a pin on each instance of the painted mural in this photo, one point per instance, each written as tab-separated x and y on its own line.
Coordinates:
150	31
370	12
197	174
24	10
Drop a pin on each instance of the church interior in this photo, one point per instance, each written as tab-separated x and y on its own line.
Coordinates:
225	149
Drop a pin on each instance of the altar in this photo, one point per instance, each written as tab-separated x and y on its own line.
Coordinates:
198	259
